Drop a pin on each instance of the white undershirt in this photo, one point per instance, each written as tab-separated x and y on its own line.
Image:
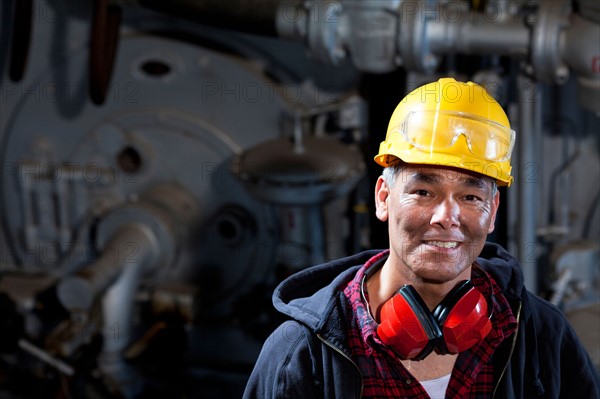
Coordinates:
436	388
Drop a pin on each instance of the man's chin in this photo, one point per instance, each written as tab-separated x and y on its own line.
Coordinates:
440	273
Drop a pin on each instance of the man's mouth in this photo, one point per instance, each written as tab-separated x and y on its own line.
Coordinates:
443	244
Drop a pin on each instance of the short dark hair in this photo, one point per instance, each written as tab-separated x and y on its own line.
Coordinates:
390	172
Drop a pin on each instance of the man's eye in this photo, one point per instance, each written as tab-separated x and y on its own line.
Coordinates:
423	193
471	197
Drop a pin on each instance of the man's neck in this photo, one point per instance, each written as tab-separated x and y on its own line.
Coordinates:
386	282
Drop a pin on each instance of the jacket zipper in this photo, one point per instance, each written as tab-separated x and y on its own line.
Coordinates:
512	349
329	344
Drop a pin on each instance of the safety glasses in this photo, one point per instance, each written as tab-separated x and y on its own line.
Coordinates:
432	131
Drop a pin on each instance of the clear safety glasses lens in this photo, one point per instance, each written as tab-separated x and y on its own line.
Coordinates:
438	130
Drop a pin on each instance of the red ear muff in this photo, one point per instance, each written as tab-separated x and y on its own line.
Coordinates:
464	321
407	325
460	321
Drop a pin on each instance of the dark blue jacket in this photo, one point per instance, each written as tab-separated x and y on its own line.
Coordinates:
307	357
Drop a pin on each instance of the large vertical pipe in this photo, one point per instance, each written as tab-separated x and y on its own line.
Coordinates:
137	238
528	177
130	252
117	309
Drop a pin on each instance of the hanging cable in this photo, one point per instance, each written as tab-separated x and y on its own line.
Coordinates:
20	39
103	46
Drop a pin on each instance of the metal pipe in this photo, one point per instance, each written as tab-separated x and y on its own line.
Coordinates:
580	52
379	36
46	357
118	308
500	10
478	35
132	244
303	235
136	239
528	179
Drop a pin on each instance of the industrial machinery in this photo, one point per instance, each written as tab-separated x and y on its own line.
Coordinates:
166	164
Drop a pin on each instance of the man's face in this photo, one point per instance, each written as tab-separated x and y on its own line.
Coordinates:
438	220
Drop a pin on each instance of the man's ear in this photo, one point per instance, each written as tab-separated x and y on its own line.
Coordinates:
494	210
382	192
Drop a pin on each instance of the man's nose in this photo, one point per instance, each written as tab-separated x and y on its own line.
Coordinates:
446	214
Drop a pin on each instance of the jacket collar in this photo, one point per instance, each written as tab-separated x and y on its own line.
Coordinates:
309	295
504	269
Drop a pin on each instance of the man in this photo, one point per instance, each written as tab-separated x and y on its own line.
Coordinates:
441	313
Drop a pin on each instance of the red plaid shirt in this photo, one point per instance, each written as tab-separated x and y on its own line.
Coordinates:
385	377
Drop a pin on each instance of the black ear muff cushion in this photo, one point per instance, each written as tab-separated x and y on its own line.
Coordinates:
426	320
421	310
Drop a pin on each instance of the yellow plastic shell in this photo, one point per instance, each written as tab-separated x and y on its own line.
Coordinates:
485	151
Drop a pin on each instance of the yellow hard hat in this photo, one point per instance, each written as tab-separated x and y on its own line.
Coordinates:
451	123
